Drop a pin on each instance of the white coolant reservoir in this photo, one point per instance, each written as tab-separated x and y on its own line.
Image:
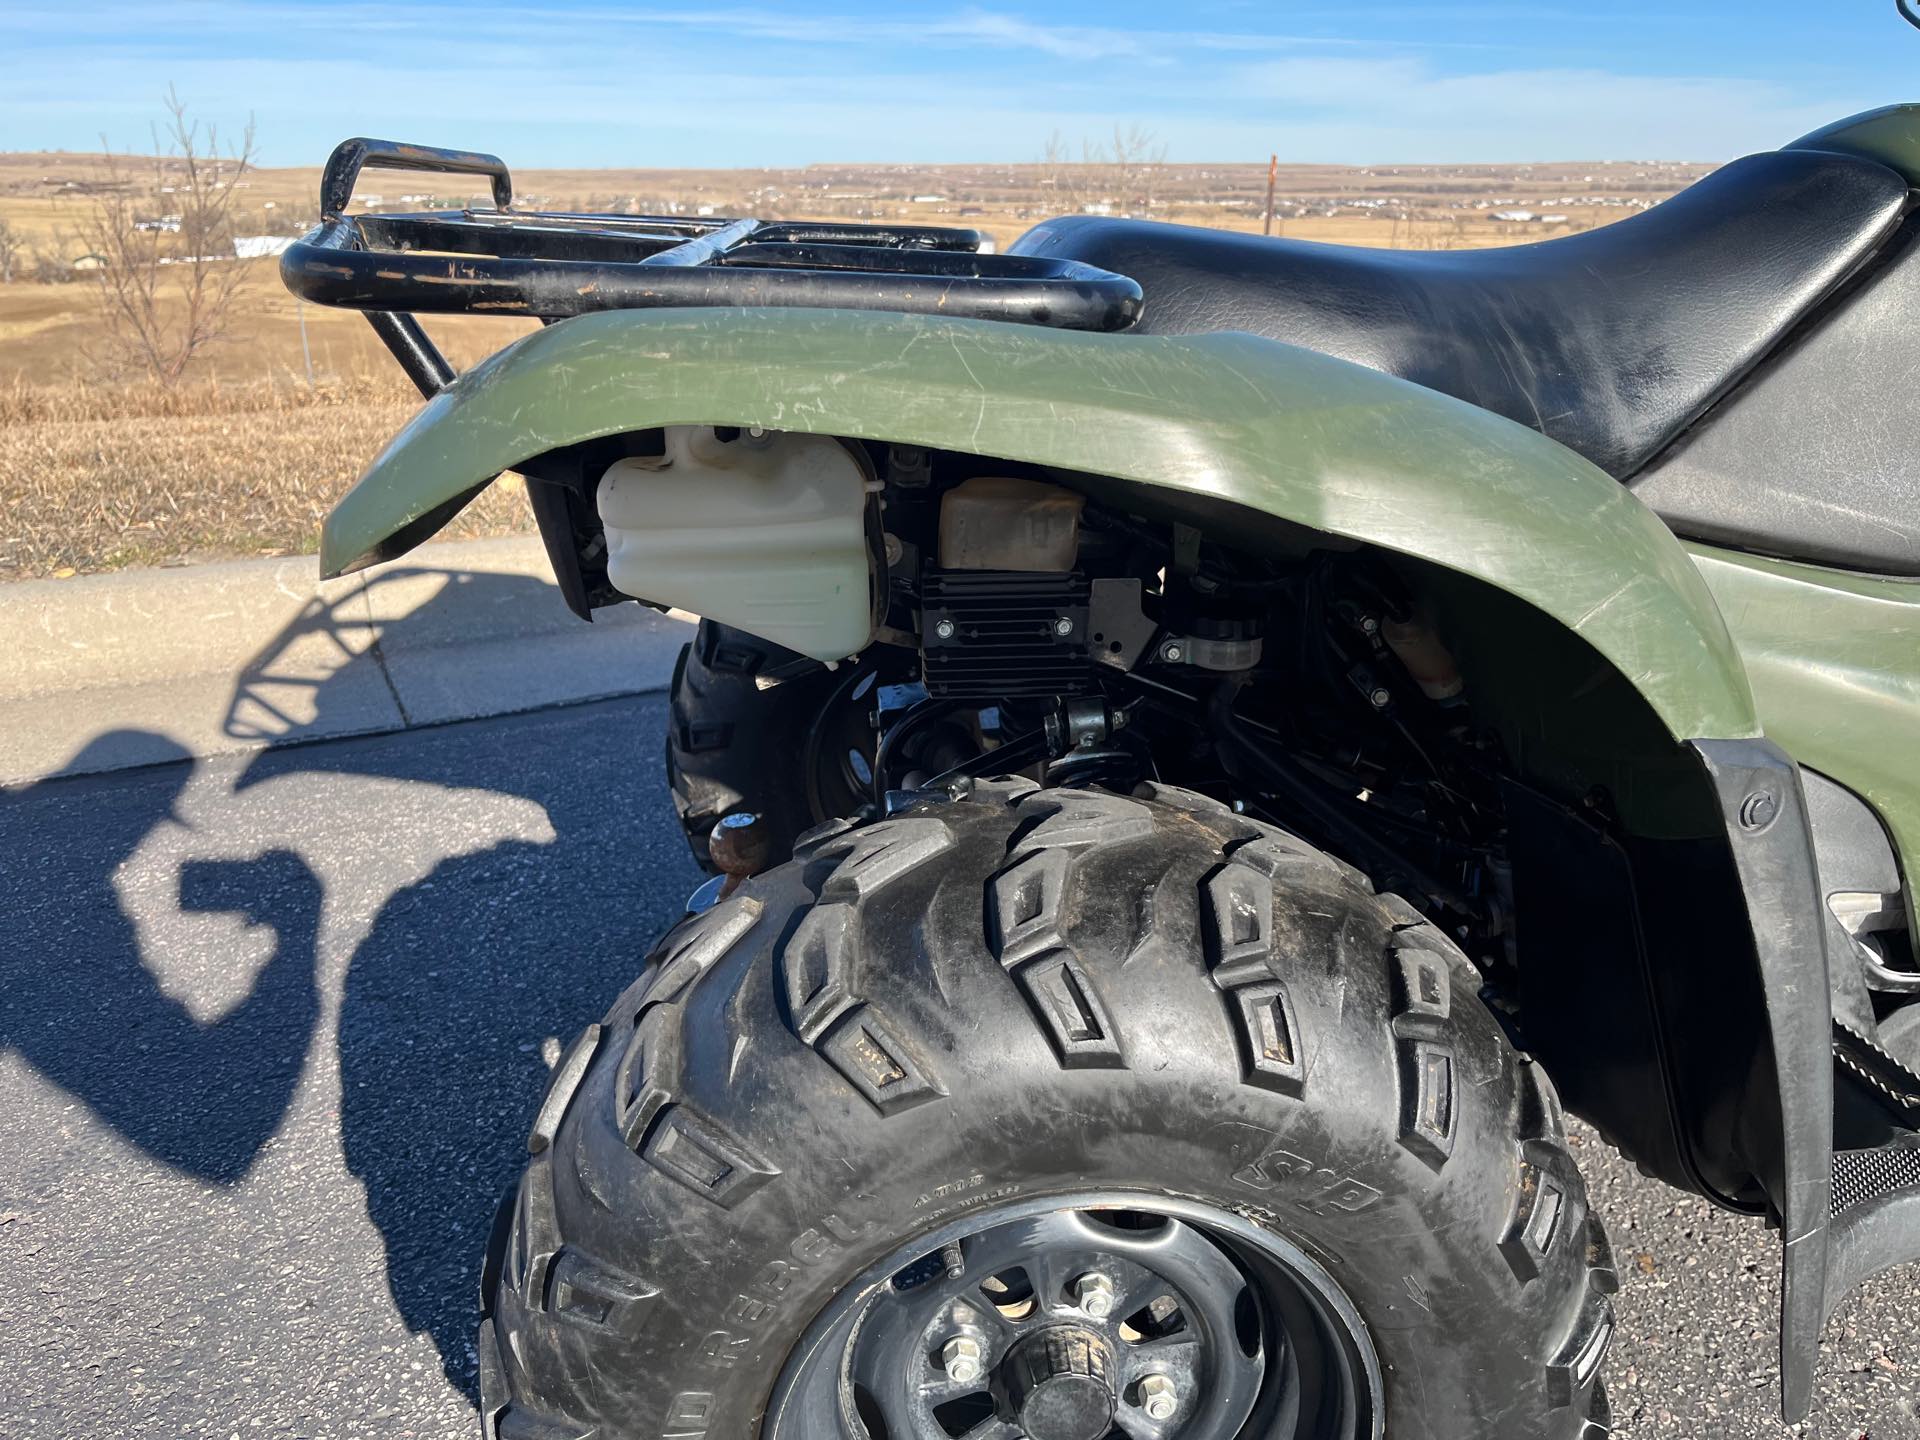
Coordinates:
764	532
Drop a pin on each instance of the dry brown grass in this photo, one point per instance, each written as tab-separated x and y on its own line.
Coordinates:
246	457
101	479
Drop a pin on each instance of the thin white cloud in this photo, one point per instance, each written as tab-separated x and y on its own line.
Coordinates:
596	84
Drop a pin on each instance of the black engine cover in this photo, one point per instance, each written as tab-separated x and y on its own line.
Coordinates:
990	634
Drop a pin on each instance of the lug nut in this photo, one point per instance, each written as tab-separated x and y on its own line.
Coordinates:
1158	1397
961	1359
945	629
1093	1293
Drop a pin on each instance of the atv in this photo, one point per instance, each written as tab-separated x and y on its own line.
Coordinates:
1206	744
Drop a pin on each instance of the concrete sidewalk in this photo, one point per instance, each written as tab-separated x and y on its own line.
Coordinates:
111	671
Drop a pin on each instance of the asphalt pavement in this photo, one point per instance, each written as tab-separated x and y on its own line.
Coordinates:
272	1028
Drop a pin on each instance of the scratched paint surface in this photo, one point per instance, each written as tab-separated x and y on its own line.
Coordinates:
1835	664
1295	434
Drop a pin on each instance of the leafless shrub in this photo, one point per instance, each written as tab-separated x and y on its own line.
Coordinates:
1136	160
12	253
1122	175
45	268
166	282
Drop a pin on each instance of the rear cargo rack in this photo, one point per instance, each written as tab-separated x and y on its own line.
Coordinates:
550	265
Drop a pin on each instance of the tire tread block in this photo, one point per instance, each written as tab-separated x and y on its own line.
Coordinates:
1576	1366
1422	988
1542	1213
649	1074
863	1048
1070	1008
703	1157
694	946
872	857
1025	904
1429	1099
596	1296
1269	1038
1239	924
817	966
1072	819
561	1089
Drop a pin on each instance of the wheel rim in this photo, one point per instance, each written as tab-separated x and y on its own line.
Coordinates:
1091	1318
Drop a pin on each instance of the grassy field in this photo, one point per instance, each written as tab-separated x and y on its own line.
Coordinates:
100	471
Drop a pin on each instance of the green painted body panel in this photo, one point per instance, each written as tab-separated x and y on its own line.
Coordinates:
1297	435
1890	135
1834	659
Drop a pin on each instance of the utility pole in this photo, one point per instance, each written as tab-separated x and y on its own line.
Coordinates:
1273	171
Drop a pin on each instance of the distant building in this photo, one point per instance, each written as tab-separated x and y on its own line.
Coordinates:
1520	216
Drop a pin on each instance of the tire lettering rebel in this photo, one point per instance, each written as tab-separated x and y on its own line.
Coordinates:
1327	1190
722	1350
754	1305
746	1311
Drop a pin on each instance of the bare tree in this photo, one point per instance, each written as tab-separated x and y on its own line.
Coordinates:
167	281
1125	175
1057	172
1137	160
12	252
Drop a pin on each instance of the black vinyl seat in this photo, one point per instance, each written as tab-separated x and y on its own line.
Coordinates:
1611	341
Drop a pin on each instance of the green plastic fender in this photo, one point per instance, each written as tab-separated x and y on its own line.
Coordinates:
1297	435
1835	663
1890	135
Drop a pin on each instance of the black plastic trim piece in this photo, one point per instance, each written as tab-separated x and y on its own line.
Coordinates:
1789	1143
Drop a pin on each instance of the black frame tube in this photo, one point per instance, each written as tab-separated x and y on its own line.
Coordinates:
554	265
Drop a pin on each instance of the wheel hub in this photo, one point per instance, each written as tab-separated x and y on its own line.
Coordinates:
1059	1385
1101	1322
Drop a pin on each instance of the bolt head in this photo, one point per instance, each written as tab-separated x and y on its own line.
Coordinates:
962	1360
1759	810
946	629
1369	625
1158	1397
1093	1293
1172	652
1381	698
1063	626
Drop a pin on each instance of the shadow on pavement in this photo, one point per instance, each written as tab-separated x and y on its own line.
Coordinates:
84	1010
451	1001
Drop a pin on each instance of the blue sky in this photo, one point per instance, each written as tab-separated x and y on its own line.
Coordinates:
568	82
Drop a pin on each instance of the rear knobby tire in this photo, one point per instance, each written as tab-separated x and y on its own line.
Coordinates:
736	734
1029	993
